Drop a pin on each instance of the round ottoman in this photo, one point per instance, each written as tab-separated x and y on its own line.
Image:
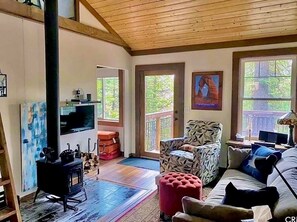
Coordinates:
173	187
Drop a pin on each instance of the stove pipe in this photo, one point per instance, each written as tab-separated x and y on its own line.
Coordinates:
51	29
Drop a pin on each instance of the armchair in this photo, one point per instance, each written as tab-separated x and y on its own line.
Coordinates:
202	160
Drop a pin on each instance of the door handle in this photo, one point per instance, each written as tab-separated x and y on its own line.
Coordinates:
175	119
175	111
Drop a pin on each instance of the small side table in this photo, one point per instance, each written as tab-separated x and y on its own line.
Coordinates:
248	144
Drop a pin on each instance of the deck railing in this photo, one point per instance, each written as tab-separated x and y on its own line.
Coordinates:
262	120
158	127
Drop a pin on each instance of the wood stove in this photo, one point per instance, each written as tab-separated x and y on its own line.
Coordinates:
60	179
53	176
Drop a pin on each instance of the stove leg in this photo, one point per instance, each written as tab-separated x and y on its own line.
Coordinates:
36	193
65	203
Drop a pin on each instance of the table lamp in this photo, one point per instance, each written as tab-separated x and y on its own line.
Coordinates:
290	119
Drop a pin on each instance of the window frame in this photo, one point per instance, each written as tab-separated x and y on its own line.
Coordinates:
119	123
237	81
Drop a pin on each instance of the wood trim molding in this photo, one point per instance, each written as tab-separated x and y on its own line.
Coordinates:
218	45
103	22
119	123
140	72
237	56
98	17
77	12
36	14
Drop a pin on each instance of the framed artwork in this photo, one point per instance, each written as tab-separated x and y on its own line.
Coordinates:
207	90
33	140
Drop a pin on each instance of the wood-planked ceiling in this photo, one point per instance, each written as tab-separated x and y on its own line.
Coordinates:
155	24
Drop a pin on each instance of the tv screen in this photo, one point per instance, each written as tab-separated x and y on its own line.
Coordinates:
76	118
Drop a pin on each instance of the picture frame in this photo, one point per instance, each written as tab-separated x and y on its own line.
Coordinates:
3	84
207	88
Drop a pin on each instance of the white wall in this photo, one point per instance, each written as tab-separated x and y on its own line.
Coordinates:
22	59
204	60
87	18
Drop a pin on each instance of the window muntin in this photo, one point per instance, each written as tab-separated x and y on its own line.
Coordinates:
266	93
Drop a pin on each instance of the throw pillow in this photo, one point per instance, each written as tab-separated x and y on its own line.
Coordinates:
187	147
248	165
236	156
249	198
214	212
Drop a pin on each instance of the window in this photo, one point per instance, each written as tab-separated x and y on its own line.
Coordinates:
67	8
109	92
267	93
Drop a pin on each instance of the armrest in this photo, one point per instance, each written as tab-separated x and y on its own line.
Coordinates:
170	144
210	154
216	212
182	217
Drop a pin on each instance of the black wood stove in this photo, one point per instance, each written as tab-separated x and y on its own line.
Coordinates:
59	179
62	179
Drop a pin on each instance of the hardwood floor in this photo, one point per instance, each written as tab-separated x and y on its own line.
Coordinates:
126	175
135	178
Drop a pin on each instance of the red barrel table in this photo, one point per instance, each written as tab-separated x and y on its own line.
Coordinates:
173	187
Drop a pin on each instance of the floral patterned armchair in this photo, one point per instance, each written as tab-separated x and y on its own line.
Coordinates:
197	153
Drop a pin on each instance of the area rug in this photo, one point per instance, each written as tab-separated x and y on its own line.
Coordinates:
141	163
148	210
103	197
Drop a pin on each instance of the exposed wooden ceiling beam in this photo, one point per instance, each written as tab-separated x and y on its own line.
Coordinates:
218	45
102	21
35	14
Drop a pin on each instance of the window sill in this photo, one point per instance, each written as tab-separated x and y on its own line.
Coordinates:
110	123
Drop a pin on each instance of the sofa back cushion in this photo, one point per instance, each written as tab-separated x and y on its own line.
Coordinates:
200	132
287	203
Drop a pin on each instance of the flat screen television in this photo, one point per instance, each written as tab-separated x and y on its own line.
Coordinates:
76	118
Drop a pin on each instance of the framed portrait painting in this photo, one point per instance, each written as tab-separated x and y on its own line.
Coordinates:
207	90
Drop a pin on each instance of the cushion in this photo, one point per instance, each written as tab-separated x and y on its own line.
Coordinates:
249	198
236	156
107	135
215	212
182	154
187	147
248	165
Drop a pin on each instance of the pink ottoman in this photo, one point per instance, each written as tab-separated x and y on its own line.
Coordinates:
173	187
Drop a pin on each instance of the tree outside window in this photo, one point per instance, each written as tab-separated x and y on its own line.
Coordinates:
266	94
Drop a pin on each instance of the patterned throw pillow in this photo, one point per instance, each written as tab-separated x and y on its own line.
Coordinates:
187	147
248	165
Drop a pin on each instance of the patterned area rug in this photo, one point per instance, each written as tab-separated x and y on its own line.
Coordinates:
148	210
103	197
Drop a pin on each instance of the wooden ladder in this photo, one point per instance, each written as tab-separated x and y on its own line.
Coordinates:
11	212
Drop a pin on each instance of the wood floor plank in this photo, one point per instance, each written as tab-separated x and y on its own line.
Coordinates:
130	176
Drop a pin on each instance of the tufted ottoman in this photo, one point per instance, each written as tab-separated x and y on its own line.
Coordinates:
173	187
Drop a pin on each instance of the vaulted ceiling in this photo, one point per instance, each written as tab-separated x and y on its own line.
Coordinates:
155	24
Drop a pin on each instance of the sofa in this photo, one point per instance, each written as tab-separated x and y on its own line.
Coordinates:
212	208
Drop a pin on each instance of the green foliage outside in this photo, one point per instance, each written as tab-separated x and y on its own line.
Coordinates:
159	93
108	94
271	82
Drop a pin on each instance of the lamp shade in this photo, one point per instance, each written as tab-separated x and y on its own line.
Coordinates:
289	118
